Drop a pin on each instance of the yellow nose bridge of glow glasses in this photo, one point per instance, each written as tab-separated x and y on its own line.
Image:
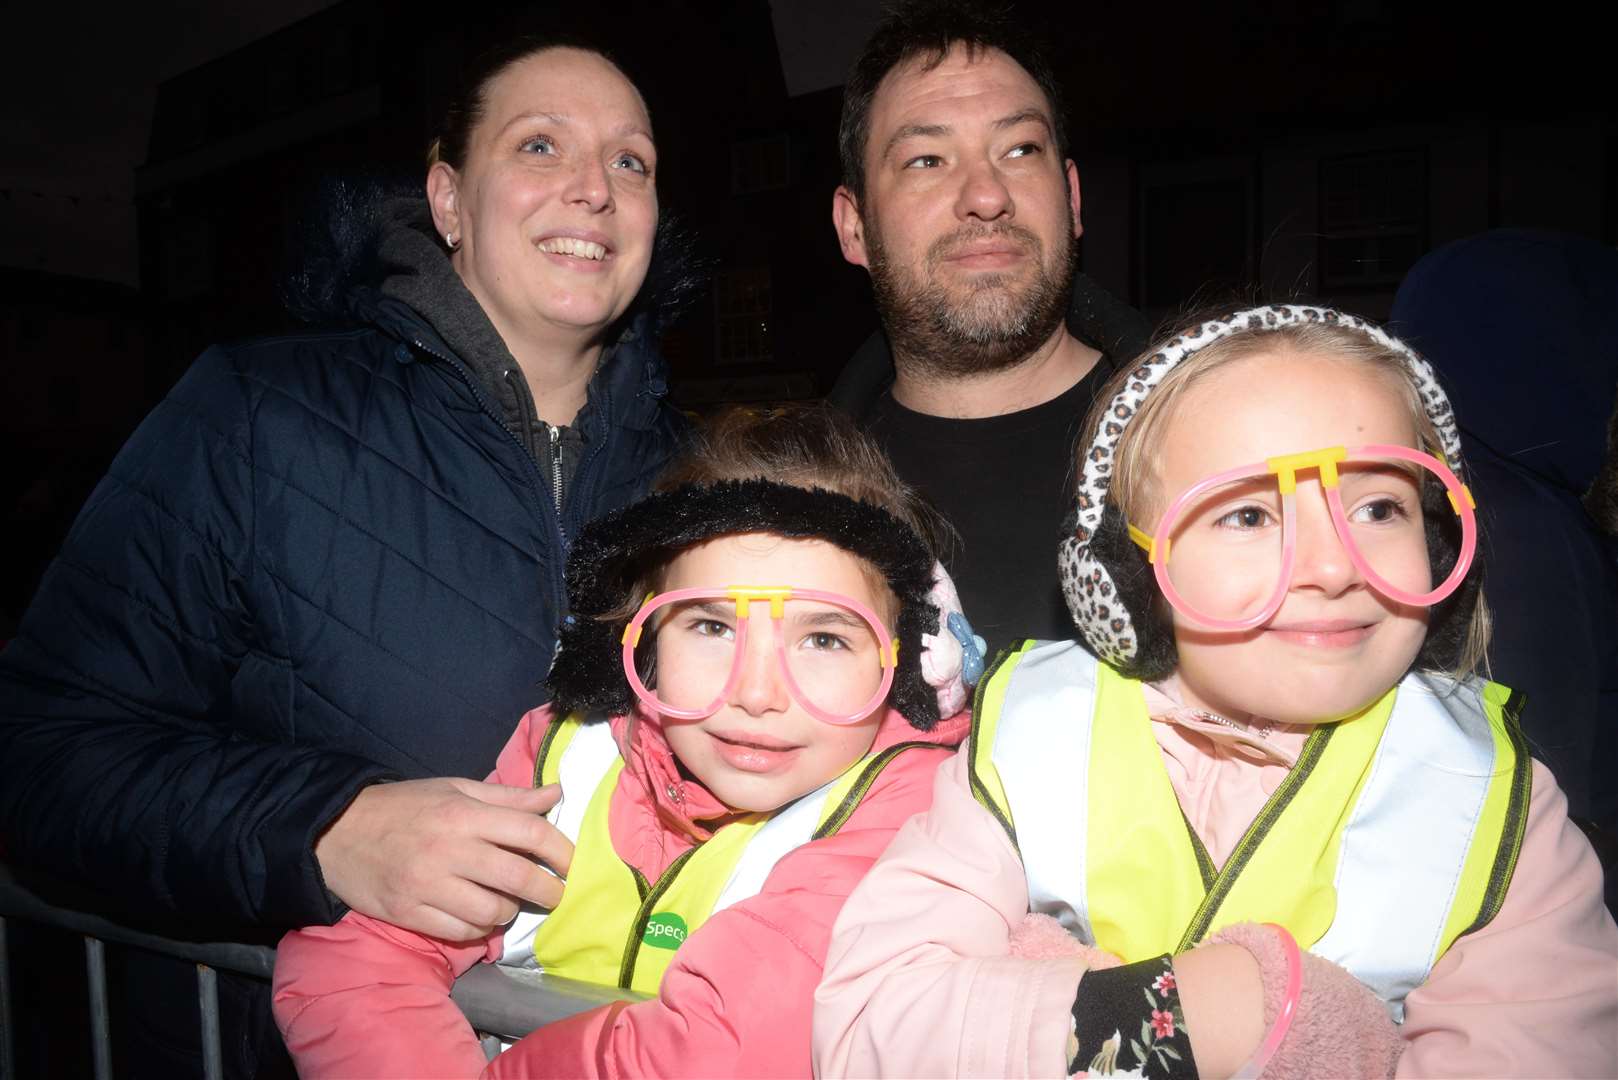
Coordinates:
1286	469
1287	466
744	595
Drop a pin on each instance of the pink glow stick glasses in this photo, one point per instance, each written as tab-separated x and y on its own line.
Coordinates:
1159	546
812	698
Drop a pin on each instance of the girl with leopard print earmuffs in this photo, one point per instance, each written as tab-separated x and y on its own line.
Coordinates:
1265	815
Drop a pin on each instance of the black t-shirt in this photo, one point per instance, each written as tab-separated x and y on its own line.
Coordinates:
1005	483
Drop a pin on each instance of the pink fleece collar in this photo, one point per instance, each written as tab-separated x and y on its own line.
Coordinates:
683	804
1259	739
657	813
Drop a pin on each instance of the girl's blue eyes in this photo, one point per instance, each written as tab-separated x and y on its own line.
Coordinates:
542	144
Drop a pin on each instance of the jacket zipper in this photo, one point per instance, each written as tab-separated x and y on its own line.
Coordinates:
556	469
553	445
557	579
1261	733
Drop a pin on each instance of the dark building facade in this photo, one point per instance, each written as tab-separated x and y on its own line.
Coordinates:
1273	149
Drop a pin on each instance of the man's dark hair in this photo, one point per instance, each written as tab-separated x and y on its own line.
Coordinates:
929	29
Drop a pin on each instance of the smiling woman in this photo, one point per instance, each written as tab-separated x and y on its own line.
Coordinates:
334	559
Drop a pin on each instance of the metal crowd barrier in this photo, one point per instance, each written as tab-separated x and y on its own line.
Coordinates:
500	1003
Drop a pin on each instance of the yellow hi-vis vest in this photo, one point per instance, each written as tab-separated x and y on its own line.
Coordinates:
1396	832
613	926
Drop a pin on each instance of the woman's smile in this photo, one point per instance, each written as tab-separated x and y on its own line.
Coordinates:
576	249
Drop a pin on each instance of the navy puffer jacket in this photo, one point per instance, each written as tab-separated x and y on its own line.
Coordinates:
322	561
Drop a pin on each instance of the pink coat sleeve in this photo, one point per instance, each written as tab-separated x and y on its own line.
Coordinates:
365	998
919	981
1534	993
736	1002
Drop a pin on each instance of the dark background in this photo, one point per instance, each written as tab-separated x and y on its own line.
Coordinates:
159	156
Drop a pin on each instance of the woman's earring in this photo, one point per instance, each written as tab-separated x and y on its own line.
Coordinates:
449	238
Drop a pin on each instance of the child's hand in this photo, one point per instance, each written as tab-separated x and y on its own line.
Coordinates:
446	857
1340	1028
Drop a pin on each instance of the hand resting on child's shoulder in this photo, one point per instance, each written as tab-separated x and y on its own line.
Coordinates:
446	857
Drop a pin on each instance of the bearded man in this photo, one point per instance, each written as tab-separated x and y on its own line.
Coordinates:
960	200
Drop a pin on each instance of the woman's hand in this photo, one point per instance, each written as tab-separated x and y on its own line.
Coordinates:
446	857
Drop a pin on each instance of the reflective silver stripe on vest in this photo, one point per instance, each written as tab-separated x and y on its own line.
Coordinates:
1407	840
585	761
589	754
788	829
1042	752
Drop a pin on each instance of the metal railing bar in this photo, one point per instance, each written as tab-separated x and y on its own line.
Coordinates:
20	902
213	1059
511	1002
95	962
498	1001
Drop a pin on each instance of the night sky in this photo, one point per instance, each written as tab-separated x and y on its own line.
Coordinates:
78	87
78	95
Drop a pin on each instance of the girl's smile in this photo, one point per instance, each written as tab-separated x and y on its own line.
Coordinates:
754	753
1327	633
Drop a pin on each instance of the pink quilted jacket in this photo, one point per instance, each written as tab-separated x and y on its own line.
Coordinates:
363	998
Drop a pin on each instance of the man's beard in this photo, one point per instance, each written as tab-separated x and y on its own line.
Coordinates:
986	326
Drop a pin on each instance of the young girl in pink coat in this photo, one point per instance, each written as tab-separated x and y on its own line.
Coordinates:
753	692
1266	819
